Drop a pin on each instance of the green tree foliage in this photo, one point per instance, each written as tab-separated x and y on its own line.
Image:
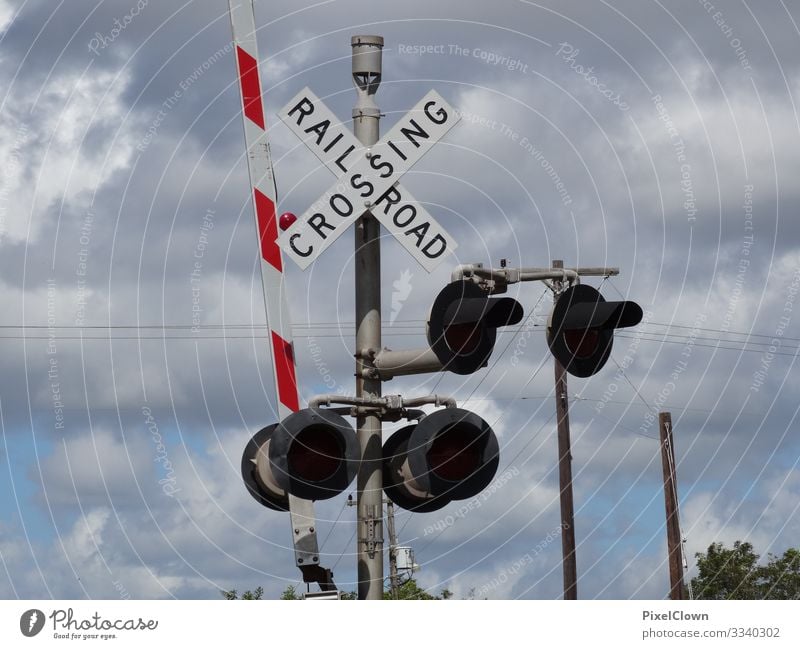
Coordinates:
411	590
248	594
735	573
290	592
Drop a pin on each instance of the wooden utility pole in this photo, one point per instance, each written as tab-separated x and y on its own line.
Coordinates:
565	473
677	588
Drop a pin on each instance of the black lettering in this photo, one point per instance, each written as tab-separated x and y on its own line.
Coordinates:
393	200
341	158
441	114
410	134
333	142
377	167
339	198
407	207
320	129
419	231
302	105
396	150
299	252
317	221
364	183
437	239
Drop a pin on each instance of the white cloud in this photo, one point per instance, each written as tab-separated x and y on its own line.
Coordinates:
49	164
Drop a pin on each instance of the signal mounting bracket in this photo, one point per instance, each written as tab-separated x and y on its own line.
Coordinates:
391	407
496	280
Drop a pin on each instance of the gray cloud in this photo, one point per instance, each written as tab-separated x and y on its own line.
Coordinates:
84	137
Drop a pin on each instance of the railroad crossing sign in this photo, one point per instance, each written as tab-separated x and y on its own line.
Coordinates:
367	179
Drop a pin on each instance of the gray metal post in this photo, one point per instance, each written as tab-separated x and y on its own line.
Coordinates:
367	54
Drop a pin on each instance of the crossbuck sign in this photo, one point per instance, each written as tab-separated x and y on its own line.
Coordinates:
367	179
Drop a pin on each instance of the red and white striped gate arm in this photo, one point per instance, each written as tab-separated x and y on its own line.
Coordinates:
262	180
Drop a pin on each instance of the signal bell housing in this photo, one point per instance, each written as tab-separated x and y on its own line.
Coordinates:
581	328
312	454
463	322
451	454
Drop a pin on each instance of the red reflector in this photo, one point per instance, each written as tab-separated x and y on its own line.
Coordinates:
454	456
315	454
582	343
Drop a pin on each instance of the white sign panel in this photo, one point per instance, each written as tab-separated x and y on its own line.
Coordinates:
321	131
367	179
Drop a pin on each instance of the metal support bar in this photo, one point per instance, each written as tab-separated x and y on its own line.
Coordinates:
391	407
304	536
496	280
390	363
367	70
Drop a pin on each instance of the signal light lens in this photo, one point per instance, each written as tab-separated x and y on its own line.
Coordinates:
582	342
315	454
463	338
452	457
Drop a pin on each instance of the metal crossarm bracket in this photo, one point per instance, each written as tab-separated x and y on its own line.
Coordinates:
496	280
392	407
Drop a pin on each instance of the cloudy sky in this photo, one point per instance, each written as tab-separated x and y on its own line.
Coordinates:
659	137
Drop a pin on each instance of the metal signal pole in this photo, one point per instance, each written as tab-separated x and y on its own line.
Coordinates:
367	65
565	473
674	548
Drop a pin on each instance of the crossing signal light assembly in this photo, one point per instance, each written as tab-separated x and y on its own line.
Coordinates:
312	454
450	454
581	328
463	323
